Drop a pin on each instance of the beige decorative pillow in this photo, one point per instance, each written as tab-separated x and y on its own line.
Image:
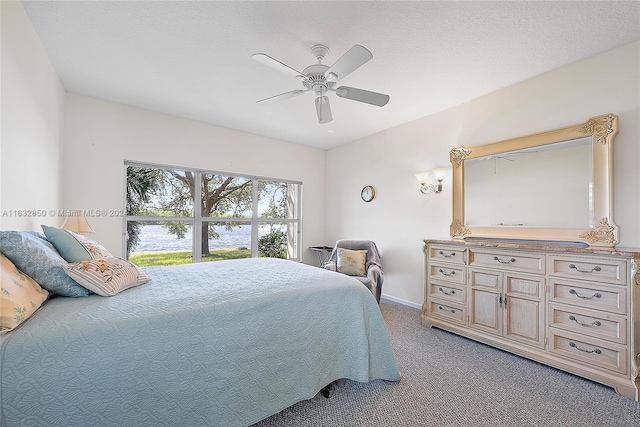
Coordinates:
351	262
106	276
20	295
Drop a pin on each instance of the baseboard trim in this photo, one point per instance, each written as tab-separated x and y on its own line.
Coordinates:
401	301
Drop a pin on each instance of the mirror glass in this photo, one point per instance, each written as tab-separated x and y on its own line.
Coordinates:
551	186
545	186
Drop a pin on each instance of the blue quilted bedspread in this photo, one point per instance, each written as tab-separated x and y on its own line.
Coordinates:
224	343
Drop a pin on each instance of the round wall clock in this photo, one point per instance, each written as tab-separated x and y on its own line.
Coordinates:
368	193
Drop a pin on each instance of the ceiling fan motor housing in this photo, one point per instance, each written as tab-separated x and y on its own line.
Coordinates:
316	79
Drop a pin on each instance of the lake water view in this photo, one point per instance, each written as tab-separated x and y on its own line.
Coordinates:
154	238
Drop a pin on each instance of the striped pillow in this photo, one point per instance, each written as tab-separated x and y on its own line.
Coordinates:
106	276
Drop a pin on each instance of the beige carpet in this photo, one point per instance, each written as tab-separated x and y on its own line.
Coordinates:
448	380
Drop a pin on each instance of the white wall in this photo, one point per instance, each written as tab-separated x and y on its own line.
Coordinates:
101	135
32	117
400	216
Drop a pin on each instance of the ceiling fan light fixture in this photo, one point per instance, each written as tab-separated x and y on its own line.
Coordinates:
323	109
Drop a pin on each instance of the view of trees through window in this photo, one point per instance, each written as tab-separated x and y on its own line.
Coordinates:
234	217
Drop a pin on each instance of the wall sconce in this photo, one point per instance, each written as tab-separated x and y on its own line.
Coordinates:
423	178
77	223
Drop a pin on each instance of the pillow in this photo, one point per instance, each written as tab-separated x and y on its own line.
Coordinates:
20	295
351	262
74	247
39	260
106	276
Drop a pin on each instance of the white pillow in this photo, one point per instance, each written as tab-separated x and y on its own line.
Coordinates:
106	276
351	262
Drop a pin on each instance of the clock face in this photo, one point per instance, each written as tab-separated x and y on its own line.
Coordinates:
367	193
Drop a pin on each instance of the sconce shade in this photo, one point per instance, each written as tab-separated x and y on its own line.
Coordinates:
440	173
422	177
77	223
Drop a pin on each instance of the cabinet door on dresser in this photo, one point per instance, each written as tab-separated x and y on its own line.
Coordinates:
506	302
485	312
524	308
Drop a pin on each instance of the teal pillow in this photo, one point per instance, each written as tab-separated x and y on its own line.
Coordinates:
38	259
74	247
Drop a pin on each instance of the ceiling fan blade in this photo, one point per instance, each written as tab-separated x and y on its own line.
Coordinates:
354	58
282	96
373	98
323	109
275	64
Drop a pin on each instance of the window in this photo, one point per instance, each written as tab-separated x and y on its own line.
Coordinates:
236	217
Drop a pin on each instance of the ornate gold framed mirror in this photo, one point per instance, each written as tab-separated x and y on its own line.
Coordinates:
553	186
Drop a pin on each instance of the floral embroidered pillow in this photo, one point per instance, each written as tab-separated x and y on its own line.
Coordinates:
351	262
74	247
20	295
106	276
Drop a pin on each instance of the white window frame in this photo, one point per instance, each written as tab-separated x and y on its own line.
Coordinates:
197	219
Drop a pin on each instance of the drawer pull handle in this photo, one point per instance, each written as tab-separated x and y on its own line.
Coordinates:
504	262
447	256
596	351
586	325
445	273
447	293
596	268
596	295
450	309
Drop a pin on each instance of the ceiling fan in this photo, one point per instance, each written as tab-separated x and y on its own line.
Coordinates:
321	79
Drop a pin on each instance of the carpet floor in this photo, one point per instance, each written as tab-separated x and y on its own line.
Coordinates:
448	380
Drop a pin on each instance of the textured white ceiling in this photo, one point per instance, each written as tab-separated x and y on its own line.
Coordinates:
193	59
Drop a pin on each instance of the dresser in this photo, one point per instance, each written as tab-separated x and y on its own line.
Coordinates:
571	307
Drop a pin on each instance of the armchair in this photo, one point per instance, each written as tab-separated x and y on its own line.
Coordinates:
374	276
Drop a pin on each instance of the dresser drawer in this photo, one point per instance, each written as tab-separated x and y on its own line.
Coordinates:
597	324
447	292
447	254
446	311
448	272
608	270
590	351
512	261
589	295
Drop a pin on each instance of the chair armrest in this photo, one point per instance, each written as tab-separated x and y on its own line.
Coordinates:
330	266
374	272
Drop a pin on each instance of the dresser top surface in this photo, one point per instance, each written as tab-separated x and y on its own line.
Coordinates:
534	245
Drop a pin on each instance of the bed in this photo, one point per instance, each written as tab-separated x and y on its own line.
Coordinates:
224	343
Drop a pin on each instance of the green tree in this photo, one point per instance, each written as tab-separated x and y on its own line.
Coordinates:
273	245
141	184
219	195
